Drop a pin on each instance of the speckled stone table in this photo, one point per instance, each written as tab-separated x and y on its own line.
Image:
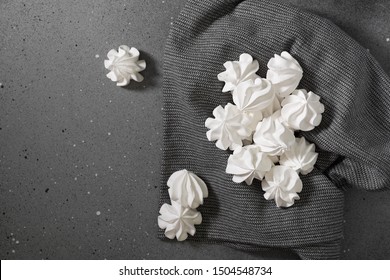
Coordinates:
80	157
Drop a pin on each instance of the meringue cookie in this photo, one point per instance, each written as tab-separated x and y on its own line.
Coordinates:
253	95
238	71
301	156
285	73
282	184
124	65
302	110
248	163
178	221
229	127
187	189
272	136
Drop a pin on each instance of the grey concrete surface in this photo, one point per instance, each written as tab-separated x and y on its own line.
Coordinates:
80	157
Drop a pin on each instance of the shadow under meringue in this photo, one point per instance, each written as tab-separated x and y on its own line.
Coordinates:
151	74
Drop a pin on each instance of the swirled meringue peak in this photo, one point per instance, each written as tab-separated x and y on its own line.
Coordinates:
178	221
253	95
248	163
302	110
238	71
301	156
282	184
285	73
124	65
187	188
229	127
272	136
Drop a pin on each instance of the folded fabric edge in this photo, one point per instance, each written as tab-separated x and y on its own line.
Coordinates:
330	250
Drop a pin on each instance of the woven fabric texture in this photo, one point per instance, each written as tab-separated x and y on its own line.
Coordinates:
353	139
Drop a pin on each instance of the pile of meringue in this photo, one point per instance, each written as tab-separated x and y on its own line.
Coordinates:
259	127
186	191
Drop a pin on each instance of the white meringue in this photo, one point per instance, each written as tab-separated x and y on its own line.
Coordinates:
272	108
248	163
124	65
178	221
253	95
285	73
302	110
229	127
253	118
301	156
238	71
272	136
187	188
282	184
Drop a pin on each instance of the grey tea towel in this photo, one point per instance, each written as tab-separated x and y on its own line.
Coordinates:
353	139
